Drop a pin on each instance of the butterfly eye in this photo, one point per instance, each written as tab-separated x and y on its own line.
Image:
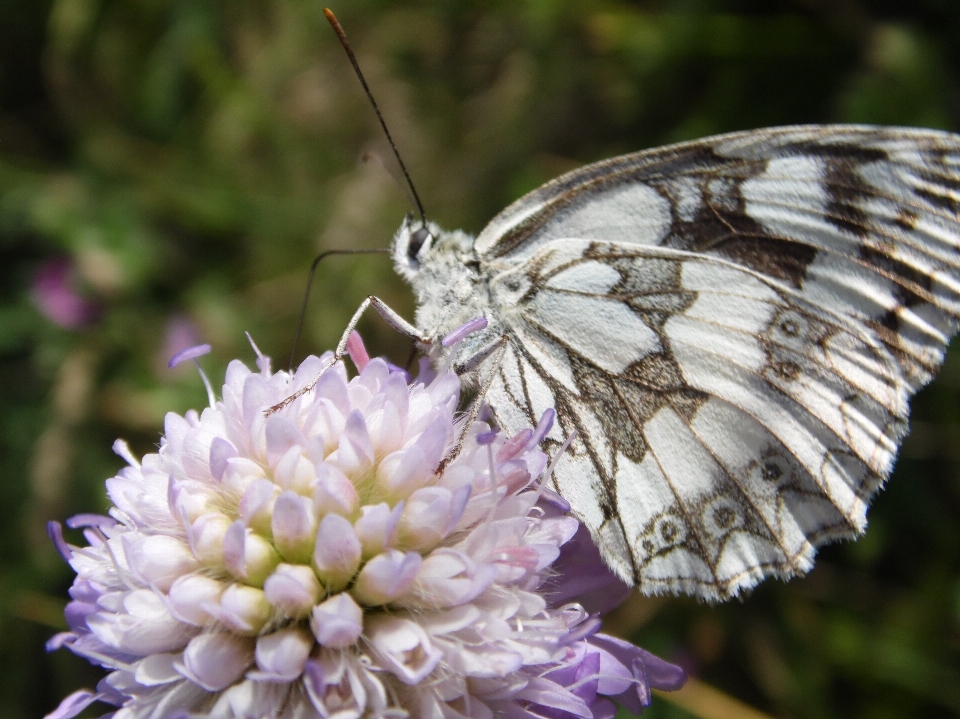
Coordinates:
416	242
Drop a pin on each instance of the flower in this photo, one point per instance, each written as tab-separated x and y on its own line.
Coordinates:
54	295
358	553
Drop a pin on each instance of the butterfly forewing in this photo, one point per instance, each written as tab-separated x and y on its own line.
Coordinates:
733	326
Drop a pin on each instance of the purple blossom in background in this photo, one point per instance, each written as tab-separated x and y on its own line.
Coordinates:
341	558
54	295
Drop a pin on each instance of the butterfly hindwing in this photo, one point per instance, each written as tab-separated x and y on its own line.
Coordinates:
729	425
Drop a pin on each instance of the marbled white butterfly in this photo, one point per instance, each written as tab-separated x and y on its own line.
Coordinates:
733	326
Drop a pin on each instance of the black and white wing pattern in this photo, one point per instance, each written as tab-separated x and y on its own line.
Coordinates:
734	327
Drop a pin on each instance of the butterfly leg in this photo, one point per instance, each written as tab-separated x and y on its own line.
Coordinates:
471	363
496	350
389	315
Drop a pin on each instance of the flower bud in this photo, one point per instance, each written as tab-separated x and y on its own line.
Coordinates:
376	527
328	420
282	655
433	440
256	505
355	451
76	614
248	556
215	661
244	609
294	527
239	473
401	472
294	471
386	430
293	590
207	533
188	499
336	555
397	393
332	389
338	622
430	515
281	435
386	577
334	492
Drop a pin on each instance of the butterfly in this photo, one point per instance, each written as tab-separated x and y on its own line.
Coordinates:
732	327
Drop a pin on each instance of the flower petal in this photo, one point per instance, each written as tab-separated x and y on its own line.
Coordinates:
215	661
282	655
449	578
73	704
157	669
158	560
188	596
402	648
221	450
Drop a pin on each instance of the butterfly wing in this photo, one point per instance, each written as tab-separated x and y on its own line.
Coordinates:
734	327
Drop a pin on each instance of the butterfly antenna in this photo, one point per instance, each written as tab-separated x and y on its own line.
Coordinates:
306	292
356	68
401	185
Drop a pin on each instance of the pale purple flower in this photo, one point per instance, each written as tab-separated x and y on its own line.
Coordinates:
342	558
56	297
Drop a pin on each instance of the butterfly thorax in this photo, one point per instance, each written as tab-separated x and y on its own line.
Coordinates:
445	275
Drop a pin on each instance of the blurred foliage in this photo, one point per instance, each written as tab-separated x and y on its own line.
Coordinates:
190	157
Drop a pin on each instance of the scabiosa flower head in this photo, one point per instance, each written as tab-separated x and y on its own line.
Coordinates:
358	553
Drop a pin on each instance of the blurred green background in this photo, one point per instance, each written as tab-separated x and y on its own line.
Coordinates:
180	162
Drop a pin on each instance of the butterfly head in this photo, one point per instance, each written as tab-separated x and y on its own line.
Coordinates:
416	241
412	244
